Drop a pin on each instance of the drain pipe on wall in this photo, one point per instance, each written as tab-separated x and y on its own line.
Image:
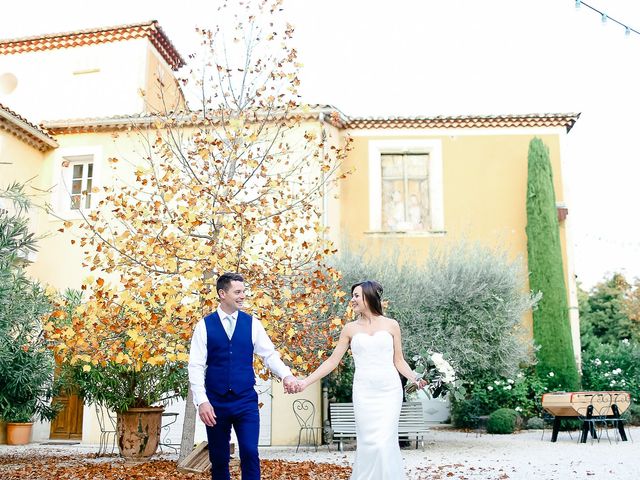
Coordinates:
326	425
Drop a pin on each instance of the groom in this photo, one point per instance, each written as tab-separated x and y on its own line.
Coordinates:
222	377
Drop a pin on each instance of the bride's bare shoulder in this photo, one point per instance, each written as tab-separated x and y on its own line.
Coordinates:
391	323
349	328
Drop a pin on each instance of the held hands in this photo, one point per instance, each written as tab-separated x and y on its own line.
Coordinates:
207	415
293	385
290	384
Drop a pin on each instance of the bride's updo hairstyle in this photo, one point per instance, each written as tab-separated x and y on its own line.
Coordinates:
372	293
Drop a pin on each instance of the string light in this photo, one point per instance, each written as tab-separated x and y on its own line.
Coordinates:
606	18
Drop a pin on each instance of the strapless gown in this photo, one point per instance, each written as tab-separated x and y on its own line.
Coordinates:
377	400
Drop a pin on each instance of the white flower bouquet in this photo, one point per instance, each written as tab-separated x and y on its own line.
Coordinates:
438	372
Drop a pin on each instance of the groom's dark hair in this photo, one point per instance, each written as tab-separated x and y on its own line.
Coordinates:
224	280
372	293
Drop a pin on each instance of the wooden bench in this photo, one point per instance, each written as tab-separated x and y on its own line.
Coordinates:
411	426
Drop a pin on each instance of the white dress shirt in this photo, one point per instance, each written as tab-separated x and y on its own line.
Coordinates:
229	323
262	346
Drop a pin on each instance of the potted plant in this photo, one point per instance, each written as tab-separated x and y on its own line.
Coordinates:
137	396
19	423
26	365
26	387
108	361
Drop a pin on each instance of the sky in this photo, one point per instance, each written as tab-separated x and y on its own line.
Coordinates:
453	57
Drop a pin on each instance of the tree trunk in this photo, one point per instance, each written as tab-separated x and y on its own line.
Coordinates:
188	427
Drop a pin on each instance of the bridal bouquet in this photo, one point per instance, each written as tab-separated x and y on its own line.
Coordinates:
432	367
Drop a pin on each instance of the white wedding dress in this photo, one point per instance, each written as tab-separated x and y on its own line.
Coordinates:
377	400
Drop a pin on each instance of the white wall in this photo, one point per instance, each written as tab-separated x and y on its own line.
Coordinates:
40	432
70	82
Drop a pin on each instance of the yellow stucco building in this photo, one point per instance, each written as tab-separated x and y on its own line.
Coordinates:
417	182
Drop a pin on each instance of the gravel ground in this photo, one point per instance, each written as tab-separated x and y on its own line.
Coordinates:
453	454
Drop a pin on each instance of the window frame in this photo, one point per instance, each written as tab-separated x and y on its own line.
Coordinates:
64	174
405	178
431	147
88	162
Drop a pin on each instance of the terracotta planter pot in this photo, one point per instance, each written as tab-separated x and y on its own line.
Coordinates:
139	433
3	432
18	433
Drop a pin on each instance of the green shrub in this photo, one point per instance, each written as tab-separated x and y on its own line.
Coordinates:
535	423
522	392
464	413
26	366
613	366
610	336
606	312
609	366
466	302
502	421
634	414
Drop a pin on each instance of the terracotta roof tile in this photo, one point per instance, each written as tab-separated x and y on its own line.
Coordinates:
23	129
181	119
533	120
150	30
334	117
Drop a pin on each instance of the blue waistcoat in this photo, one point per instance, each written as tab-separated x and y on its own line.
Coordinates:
229	361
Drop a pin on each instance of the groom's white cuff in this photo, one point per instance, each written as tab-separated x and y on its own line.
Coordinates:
199	399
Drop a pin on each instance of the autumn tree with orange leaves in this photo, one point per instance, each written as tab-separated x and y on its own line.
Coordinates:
238	186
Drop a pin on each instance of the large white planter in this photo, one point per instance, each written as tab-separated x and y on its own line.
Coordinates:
436	410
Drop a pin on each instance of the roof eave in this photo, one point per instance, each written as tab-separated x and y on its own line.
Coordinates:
515	121
334	117
153	32
44	141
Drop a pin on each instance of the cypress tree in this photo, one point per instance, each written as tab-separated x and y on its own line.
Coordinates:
551	325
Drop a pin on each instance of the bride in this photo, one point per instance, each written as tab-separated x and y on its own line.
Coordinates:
377	392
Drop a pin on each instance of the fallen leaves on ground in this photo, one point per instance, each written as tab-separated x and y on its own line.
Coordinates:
89	467
456	471
61	466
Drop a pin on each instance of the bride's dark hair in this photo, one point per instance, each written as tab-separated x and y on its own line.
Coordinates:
372	293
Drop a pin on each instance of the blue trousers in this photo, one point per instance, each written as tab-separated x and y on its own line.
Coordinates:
239	411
